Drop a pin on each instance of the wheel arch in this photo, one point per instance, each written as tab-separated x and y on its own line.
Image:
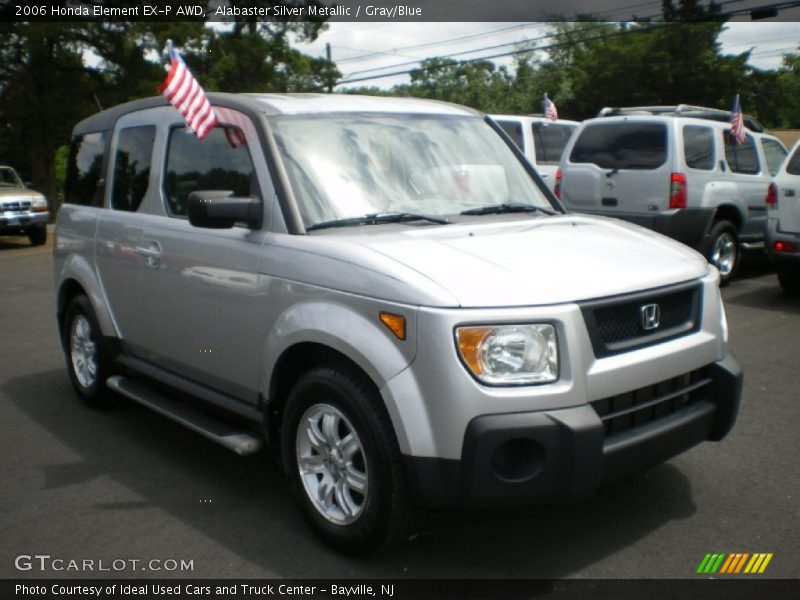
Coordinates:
300	340
78	277
729	212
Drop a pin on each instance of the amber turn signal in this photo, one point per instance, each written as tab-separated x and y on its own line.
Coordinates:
469	341
395	323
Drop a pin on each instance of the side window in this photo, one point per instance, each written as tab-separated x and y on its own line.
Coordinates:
774	153
132	167
793	166
698	147
742	158
514	131
84	169
220	161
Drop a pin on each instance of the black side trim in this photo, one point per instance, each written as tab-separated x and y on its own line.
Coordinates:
726	392
433	481
211	397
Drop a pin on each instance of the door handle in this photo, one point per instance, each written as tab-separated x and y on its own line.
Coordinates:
148	252
151	252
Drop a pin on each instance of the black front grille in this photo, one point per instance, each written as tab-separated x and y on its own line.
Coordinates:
616	325
633	409
23	206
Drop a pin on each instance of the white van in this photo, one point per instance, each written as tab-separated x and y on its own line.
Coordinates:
542	141
675	170
783	223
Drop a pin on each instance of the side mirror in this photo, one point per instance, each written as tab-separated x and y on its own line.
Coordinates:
219	209
28	184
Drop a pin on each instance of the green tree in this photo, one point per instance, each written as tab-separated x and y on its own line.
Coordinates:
54	74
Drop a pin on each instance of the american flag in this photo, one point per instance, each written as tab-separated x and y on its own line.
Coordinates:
549	108
184	93
737	121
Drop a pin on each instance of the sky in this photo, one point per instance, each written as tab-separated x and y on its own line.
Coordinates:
369	49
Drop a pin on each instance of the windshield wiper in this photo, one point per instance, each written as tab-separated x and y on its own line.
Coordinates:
506	207
377	218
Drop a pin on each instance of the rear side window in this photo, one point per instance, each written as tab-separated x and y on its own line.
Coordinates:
698	147
793	166
623	145
514	131
220	161
132	167
774	153
84	169
742	158
549	140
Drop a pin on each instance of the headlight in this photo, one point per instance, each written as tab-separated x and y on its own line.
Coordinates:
38	204
510	354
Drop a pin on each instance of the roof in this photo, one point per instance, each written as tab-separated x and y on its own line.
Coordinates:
327	103
534	117
681	110
274	104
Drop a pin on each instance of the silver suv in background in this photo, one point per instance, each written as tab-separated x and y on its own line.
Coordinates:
23	211
541	140
382	291
783	223
675	170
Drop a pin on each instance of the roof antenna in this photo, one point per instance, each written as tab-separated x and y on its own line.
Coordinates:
98	102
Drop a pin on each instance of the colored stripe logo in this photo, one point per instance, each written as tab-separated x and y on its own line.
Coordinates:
734	563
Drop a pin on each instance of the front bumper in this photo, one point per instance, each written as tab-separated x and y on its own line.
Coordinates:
566	454
19	223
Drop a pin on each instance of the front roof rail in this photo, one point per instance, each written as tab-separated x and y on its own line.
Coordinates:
681	110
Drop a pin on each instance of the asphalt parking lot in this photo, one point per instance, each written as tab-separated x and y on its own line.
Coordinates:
82	484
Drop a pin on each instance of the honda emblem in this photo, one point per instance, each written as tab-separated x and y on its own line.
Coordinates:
651	316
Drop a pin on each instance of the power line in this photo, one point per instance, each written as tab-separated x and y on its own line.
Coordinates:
370	53
512	52
462	53
482	49
349	79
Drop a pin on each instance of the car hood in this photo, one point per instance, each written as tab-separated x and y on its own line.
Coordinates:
13	193
545	260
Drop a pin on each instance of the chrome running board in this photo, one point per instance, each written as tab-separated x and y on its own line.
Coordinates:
218	431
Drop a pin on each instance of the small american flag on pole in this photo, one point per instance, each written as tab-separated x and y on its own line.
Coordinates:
184	93
737	121
549	108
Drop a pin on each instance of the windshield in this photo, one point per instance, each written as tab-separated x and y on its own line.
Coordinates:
9	178
344	166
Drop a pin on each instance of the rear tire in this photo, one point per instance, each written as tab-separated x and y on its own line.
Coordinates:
342	462
723	250
88	358
38	236
789	278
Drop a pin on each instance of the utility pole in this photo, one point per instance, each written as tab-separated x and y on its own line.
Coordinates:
328	56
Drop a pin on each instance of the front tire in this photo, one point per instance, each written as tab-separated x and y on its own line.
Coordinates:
88	360
342	462
723	250
38	236
789	278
